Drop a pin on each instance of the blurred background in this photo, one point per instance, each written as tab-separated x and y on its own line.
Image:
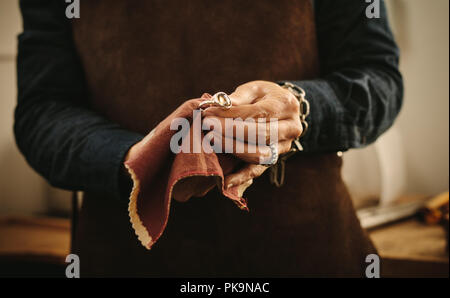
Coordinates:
410	162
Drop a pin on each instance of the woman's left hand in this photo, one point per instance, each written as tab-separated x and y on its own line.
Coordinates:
256	100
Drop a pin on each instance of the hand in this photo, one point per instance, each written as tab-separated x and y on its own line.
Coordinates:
255	100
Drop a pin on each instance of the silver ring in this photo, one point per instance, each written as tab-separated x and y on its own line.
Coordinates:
220	99
273	156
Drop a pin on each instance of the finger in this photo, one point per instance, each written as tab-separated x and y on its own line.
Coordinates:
243	96
263	109
253	91
251	153
248	172
243	187
251	131
283	147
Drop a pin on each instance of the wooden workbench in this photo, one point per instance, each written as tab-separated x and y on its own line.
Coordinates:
411	249
33	247
38	247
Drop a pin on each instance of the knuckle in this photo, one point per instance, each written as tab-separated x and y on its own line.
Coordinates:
291	100
295	105
298	128
298	131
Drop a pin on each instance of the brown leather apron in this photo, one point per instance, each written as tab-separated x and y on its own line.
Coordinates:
143	59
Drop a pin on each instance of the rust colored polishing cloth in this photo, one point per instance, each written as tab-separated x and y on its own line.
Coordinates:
155	171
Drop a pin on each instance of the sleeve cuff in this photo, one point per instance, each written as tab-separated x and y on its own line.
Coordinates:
325	133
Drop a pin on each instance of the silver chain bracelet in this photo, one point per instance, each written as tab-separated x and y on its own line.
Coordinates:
277	171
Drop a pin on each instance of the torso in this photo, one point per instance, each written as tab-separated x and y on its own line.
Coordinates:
142	59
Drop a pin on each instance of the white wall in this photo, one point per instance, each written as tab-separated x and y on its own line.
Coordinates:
412	157
423	28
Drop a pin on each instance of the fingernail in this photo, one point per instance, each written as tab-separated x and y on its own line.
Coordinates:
229	186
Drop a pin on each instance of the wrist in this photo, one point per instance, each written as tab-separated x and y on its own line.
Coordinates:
304	109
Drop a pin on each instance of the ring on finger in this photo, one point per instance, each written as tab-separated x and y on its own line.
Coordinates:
273	158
